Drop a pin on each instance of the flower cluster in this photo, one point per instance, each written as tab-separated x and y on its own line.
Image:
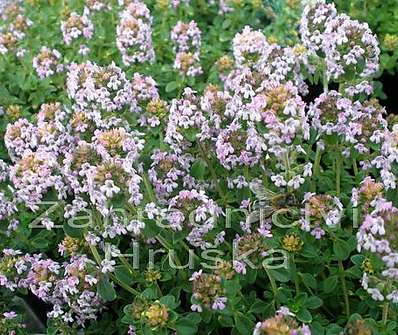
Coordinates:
194	210
237	181
187	41
47	63
93	86
321	212
70	288
168	171
377	236
282	323
207	292
349	46
75	26
146	101
186	121
14	29
134	34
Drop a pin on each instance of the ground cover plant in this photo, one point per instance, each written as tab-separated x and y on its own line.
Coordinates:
194	167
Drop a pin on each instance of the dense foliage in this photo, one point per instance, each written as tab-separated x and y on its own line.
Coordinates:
196	167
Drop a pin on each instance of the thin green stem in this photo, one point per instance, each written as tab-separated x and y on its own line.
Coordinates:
126	264
344	285
98	259
212	172
148	187
273	285
325	82
296	280
386	307
338	176
315	173
167	246
355	166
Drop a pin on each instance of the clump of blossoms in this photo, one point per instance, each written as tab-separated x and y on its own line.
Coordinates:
313	24
146	101
8	42
321	212
70	287
376	236
168	171
134	34
207	292
349	46
14	28
98	5
33	175
101	171
196	212
159	202
47	62
186	121
282	323
250	47
19	137
187	41
94	86
236	146
388	158
330	113
75	26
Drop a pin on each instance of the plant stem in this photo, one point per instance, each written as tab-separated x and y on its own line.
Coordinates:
126	264
98	259
325	82
296	281
317	162
338	176
213	173
354	166
148	187
273	285
386	306
344	285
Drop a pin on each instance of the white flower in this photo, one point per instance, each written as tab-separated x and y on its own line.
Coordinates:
107	265
135	226
109	189
278	180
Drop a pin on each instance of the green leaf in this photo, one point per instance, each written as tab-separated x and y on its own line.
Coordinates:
186	326
169	300
171	86
72	230
226	23
304	315
330	284
124	275
232	287
309	280
313	302
257	307
198	169
357	259
150	293
105	289
281	275
42	240
341	249
243	324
